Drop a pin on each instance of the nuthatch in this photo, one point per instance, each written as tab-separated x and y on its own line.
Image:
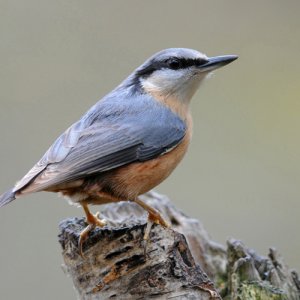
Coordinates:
128	142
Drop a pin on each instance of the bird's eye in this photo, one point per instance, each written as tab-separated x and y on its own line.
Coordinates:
174	64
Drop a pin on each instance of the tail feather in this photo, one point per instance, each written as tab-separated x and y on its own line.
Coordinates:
7	197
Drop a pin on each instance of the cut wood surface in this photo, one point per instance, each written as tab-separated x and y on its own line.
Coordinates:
177	263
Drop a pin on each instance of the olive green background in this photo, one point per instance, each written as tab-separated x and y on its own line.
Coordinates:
241	175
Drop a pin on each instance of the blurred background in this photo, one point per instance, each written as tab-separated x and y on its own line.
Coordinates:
241	176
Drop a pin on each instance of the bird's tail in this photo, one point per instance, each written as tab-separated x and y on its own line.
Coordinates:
7	197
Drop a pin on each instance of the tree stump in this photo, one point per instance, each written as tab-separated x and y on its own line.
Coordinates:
177	263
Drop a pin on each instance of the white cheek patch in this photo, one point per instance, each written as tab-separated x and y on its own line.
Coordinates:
165	80
181	84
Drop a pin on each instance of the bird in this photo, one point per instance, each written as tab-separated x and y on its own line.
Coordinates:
128	142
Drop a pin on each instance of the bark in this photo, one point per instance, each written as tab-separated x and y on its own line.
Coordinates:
177	263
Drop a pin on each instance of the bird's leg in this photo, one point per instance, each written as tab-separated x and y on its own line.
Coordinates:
153	217
93	221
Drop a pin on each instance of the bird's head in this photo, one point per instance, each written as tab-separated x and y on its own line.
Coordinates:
177	72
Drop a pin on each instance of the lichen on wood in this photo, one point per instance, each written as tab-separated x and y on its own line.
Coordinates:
251	276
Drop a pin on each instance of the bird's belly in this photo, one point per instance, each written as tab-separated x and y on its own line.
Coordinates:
137	178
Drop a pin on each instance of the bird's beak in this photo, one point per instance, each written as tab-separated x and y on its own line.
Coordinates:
217	62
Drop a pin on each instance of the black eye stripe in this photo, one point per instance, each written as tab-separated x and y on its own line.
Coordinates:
174	63
182	63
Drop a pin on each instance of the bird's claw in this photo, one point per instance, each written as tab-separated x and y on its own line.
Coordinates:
93	221
82	237
153	218
156	218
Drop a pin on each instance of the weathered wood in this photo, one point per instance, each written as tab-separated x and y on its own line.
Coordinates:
175	263
251	276
116	265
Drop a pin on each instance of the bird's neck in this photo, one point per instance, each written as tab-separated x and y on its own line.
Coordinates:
178	106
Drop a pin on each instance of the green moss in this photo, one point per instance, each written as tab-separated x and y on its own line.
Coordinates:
258	291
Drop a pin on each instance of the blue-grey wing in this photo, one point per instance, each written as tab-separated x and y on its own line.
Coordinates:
107	138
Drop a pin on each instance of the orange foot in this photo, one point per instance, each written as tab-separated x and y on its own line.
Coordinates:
93	221
153	217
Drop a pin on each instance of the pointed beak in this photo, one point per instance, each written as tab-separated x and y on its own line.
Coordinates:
217	62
